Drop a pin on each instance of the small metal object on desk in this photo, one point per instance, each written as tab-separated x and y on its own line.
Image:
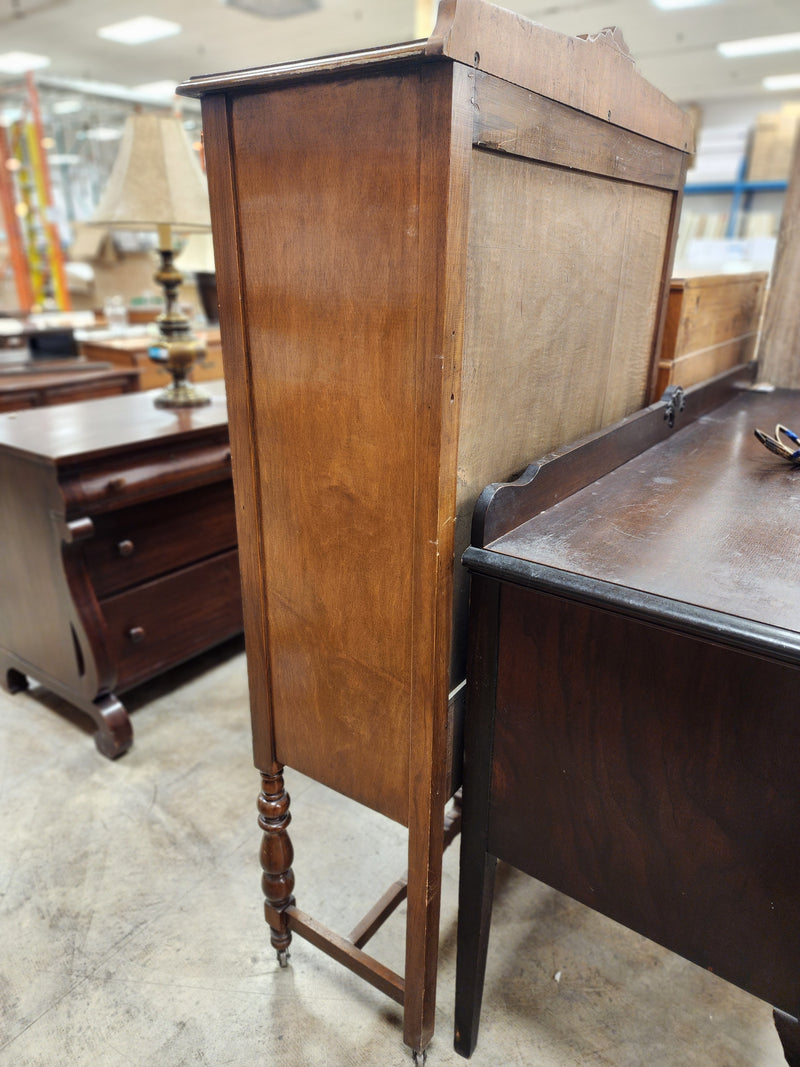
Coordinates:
776	445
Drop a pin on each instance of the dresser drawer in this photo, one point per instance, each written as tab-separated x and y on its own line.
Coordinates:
137	543
166	621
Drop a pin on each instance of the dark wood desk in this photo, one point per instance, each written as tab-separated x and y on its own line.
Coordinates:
119	548
632	734
30	386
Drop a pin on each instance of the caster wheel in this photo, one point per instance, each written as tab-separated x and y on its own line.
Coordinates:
283	957
419	1057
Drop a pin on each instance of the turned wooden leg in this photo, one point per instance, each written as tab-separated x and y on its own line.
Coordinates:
277	854
789	1032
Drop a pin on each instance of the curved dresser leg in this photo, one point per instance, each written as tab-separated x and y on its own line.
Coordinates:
114	731
277	880
789	1032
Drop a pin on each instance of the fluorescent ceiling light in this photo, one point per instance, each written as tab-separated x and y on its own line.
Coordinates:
163	90
66	107
63	159
676	5
139	30
760	46
21	62
104	133
780	82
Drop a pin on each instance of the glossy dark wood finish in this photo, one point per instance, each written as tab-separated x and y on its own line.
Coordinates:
30	388
360	208
632	733
704	518
119	542
131	545
277	880
503	506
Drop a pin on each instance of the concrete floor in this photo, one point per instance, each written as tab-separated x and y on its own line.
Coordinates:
131	927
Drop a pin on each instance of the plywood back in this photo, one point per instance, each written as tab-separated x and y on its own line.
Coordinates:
563	300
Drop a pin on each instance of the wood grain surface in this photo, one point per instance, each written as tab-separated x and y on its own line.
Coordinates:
712	324
546	358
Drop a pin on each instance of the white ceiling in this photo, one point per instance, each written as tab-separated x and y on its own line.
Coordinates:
675	50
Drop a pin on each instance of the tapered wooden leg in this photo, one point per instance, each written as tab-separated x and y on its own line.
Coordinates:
277	880
477	873
476	893
789	1032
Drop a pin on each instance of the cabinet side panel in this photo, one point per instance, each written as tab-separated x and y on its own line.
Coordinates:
222	187
563	301
328	180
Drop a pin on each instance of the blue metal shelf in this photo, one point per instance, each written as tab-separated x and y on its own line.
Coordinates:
739	191
731	187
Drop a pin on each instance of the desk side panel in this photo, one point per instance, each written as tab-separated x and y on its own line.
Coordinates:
663	795
328	188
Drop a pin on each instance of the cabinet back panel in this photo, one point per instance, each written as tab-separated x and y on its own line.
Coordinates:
563	291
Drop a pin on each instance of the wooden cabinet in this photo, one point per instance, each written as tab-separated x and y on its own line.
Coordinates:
433	261
119	548
712	325
632	728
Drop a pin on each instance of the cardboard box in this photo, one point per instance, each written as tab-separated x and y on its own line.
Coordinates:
772	145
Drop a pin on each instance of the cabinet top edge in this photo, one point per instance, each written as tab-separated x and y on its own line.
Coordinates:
319	66
593	73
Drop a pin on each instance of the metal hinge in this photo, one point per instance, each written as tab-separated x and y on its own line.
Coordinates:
675	400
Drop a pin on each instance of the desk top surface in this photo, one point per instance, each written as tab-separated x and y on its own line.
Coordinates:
707	517
66	433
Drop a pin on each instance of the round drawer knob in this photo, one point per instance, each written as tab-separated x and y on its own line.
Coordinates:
136	634
125	548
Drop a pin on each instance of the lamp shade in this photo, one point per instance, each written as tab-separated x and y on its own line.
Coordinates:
197	254
156	179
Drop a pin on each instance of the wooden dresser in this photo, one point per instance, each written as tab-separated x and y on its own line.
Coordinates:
119	548
432	260
33	385
134	352
632	729
712	325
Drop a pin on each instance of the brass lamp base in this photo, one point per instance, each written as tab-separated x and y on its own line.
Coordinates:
177	350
